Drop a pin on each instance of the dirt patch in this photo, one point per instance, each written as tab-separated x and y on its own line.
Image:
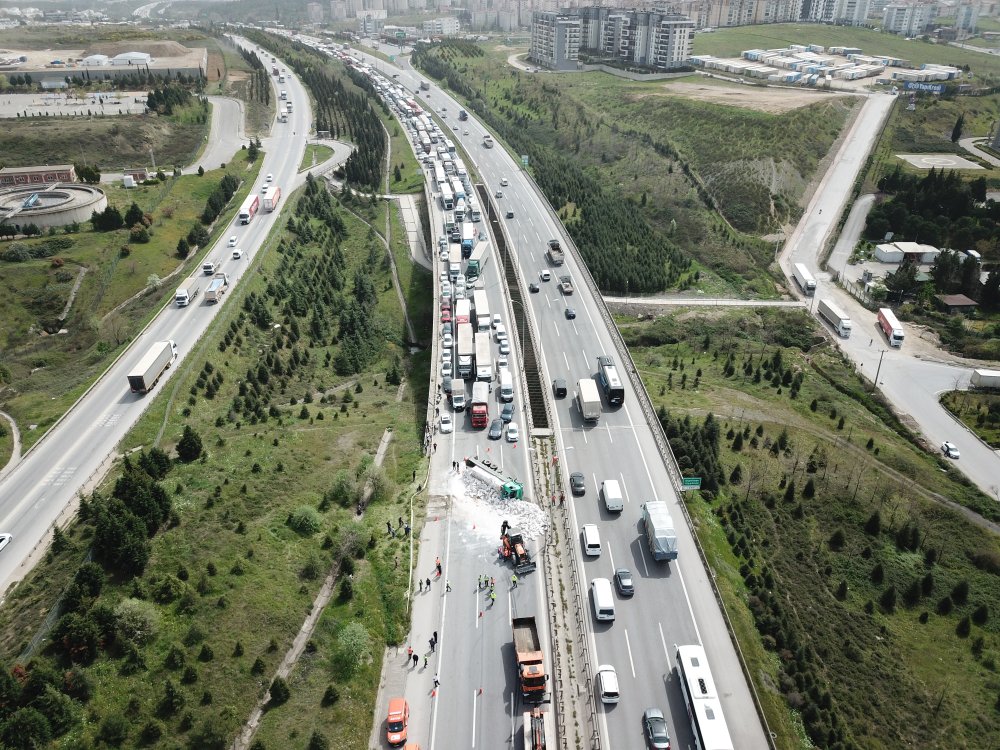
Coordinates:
237	76
216	65
773	100
156	49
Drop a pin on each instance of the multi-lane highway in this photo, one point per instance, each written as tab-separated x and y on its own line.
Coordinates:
45	482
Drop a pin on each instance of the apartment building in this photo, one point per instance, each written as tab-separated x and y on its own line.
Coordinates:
908	19
555	40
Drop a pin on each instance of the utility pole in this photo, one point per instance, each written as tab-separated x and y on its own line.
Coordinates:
878	370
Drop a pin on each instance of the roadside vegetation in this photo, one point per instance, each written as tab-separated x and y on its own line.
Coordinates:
239	496
826	526
315	154
691	214
977	410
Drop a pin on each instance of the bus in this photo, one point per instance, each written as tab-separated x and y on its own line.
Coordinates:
425	143
447	199
704	708
607	376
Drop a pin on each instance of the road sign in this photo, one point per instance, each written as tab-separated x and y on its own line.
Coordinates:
401	35
690	483
524	160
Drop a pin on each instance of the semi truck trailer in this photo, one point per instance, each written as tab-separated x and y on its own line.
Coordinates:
152	365
835	317
891	327
480	404
588	399
804	279
659	528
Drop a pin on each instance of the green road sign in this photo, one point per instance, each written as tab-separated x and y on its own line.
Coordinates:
401	35
691	483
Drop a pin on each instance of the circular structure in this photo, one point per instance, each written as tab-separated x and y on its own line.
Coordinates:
50	205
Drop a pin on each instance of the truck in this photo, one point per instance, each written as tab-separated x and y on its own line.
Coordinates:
488	140
835	317
188	291
508	487
208	267
480	404
986	379
274	70
468	238
514	548
481	309
555	253
477	261
484	358
566	285
462	311
804	279
891	327
216	288
530	659
659	528
249	209
466	349
152	365
272	198
455	262
425	86
588	399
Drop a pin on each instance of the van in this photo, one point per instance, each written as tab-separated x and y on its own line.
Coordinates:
559	388
396	721
612	493
458	399
607	684
591	539
506	386
284	94
604	601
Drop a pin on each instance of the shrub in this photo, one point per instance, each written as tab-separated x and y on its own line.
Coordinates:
280	692
305	520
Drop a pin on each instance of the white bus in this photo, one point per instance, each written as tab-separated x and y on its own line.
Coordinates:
447	199
703	705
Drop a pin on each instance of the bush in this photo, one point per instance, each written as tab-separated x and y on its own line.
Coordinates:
189	448
305	520
280	692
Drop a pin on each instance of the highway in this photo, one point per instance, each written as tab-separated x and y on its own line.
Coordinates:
674	603
44	484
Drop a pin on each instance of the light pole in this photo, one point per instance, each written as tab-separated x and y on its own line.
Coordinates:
878	370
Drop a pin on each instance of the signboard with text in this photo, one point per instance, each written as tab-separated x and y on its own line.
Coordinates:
690	483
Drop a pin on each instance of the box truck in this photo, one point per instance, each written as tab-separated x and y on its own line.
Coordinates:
152	365
804	279
484	358
466	349
588	399
480	405
891	327
216	288
986	378
835	317
481	308
272	198
659	528
187	291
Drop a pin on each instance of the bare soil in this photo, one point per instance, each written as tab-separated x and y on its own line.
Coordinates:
773	100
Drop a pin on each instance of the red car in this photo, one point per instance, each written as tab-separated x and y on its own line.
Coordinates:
446	316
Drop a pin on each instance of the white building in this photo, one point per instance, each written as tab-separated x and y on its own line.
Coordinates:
132	58
447	26
908	19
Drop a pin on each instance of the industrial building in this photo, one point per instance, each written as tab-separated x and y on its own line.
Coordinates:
47	175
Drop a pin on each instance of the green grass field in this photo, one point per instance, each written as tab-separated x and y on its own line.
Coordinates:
825	627
316	153
980	412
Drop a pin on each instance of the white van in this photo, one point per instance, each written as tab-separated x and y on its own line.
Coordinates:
506	386
607	684
591	539
284	94
612	493
604	601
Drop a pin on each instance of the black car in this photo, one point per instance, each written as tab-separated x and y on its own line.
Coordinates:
510	214
559	388
577	483
532	287
570	313
496	429
623	582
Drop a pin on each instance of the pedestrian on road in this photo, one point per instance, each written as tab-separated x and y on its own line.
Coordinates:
439	570
493	582
421	582
435	447
480	581
513	581
407	529
435	636
431	641
447	585
409	652
437	682
414	661
493	597
425	662
428	582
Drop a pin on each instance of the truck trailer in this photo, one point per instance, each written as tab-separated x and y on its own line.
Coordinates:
804	279
659	528
249	209
272	198
484	358
216	288
481	309
188	291
463	311
468	238
588	399
152	365
477	261
480	405
454	262
891	327
986	379
835	317
530	659
508	487
466	350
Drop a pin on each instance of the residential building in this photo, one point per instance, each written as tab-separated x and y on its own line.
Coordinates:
966	17
314	12
908	19
555	40
447	26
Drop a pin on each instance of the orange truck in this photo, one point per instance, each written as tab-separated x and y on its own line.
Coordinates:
530	660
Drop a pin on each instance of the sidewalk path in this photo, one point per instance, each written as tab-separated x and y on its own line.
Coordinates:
969	144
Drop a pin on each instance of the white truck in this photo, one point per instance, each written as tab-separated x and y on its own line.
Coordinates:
804	279
466	350
272	198
188	291
986	378
481	309
659	528
455	262
835	317
588	399
216	288
506	386
152	365
484	358
208	267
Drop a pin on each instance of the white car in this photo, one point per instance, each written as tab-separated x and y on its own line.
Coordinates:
497	320
269	177
446	355
446	370
505	347
237	254
465	132
232	241
503	182
499	332
513	434
950	450
501	363
446	423
446	342
5	539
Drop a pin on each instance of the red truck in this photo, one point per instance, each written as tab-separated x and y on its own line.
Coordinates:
249	209
480	403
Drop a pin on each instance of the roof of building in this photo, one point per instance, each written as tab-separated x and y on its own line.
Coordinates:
22	170
956	300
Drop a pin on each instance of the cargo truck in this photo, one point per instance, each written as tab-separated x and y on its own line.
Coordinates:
466	350
659	528
835	317
588	399
566	285
530	659
216	288
477	261
555	253
463	311
484	358
455	262
272	198
480	404
481	309
986	379
188	291
463	115
891	327
425	86
468	238
804	279
152	365
508	487
249	209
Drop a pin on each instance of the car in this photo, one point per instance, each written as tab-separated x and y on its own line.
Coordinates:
465	132
503	182
501	362
544	275
577	483
513	433
269	177
397	720
510	214
446	329
498	194
505	347
5	539
460	293
446	341
496	429
395	75
446	355
446	316
533	287
654	727
453	127
446	423
232	241
499	332
237	254
446	369
570	313
446	385
507	412
497	320
446	291
559	388
623	582
950	450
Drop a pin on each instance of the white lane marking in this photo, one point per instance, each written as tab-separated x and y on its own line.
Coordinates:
628	647
621	482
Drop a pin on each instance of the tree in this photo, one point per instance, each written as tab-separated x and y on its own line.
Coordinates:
888	600
318	742
990	296
956	132
134	215
904	281
88	174
189	447
280	692
873	526
26	729
353	646
136	621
